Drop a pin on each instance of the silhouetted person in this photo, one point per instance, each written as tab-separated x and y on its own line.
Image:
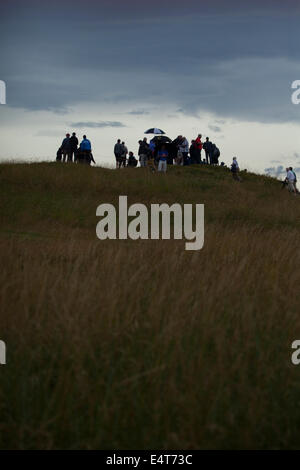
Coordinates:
214	159
66	148
74	145
208	150
124	155
59	155
132	161
143	152
194	153
118	150
235	169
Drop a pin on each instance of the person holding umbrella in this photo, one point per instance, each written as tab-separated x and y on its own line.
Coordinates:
162	159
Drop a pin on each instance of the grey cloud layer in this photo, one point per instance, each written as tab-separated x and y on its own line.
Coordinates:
237	66
94	125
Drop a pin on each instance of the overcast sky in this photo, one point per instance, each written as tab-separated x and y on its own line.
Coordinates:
112	69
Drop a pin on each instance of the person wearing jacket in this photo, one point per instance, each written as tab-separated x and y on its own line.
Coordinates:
235	169
194	153
295	180
74	145
66	148
199	145
86	150
124	155
184	149
290	179
208	151
143	152
118	151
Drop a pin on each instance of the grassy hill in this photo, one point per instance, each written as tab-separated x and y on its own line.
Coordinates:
141	344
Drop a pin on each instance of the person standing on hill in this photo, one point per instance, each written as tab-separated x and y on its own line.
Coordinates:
184	149
143	152
194	153
295	181
290	179
118	150
208	150
162	159
74	145
66	148
86	149
199	145
235	169
124	155
215	154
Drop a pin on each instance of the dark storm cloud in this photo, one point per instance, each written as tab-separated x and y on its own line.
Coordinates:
95	125
236	59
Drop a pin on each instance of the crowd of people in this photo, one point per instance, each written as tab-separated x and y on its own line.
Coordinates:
158	154
69	151
162	151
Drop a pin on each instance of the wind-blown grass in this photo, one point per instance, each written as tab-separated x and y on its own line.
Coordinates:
141	344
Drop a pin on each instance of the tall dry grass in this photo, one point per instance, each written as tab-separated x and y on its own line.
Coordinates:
124	344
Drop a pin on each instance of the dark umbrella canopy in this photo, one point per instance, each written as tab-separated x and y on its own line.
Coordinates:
161	139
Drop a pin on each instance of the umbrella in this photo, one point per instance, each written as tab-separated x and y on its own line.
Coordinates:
161	139
154	130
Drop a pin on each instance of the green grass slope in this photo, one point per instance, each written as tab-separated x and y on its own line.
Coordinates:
141	344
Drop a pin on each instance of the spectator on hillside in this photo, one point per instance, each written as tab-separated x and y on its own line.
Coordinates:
152	146
208	150
143	152
132	161
290	179
184	149
66	148
199	145
59	155
86	151
295	181
215	155
74	145
235	169
194	153
118	150
162	159
124	155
